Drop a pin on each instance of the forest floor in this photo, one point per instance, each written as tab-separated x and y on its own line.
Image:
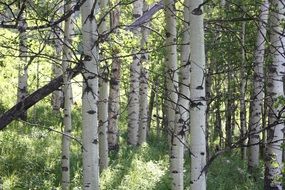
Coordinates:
30	159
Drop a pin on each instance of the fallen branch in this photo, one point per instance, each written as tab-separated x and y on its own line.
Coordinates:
35	97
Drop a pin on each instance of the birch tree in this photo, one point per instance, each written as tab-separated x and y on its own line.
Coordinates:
90	97
67	56
103	95
22	91
133	103
242	102
197	96
171	73
114	90
143	117
258	92
275	135
57	70
182	109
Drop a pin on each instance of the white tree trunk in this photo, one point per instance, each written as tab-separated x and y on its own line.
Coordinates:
171	72
182	109
143	117
23	53
197	96
143	105
90	98
57	70
103	95
258	92
275	133
114	92
133	103
67	56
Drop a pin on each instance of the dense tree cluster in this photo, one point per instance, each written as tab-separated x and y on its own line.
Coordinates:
205	78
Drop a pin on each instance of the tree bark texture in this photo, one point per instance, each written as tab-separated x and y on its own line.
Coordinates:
143	83
133	104
67	56
90	98
103	94
114	91
197	95
258	89
14	112
22	91
275	135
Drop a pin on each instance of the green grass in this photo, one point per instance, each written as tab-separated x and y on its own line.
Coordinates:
30	159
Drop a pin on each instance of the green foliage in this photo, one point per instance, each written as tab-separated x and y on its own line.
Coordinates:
31	155
145	167
28	160
230	172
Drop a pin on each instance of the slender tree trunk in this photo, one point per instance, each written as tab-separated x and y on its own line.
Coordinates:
275	135
242	103
22	92
133	106
143	84
258	92
197	94
103	95
182	109
90	98
57	98
171	72
157	105
114	91
67	56
151	105
229	109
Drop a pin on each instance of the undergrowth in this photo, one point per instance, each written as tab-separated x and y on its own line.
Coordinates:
30	159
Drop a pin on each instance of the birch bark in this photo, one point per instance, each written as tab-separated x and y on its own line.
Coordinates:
197	95
103	95
90	98
143	127
258	92
22	91
182	110
114	92
171	72
57	70
133	106
275	135
242	93
67	56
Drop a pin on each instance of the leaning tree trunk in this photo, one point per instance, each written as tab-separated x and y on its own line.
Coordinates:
103	95
182	109
143	84
197	95
67	56
133	103
258	90
90	98
275	135
23	53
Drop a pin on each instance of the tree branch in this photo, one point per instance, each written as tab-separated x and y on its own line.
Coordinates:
35	97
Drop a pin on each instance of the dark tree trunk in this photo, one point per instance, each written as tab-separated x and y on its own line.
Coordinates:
21	107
